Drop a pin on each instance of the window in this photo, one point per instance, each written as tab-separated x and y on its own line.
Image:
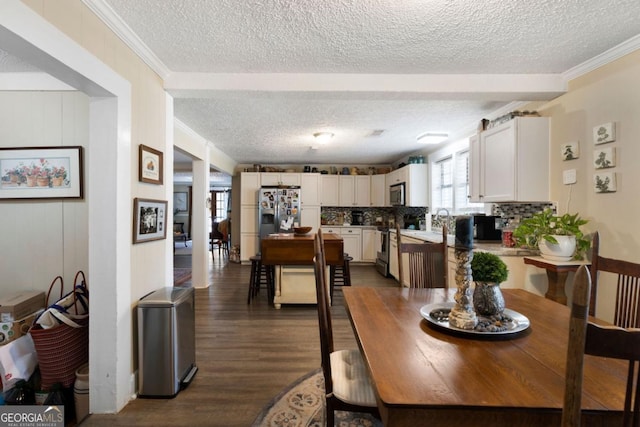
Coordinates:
450	180
221	204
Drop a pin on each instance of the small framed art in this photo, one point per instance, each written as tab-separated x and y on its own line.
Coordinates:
604	182
149	220
570	150
150	167
41	173
604	133
604	158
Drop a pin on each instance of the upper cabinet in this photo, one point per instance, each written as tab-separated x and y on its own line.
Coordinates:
510	162
416	183
329	190
249	186
312	189
378	190
280	178
354	190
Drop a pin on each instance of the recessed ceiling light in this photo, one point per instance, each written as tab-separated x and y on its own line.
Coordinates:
323	137
432	138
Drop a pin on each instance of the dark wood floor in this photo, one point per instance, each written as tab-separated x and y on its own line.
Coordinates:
246	354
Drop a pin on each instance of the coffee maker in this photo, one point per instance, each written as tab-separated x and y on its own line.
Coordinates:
357	218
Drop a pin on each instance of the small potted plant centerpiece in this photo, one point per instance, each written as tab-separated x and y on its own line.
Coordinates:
558	238
488	271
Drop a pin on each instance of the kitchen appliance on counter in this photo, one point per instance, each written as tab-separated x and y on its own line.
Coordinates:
382	253
357	218
487	227
278	209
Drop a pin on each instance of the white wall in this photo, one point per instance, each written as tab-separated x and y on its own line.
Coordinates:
47	233
608	94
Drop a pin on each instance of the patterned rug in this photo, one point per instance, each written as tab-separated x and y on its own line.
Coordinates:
301	404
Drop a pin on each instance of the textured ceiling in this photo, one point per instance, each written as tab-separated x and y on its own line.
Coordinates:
258	77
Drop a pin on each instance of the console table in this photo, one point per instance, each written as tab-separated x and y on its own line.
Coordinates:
557	272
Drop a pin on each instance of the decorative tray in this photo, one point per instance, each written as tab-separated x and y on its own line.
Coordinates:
510	324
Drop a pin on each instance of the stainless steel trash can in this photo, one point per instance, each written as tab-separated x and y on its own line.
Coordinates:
166	341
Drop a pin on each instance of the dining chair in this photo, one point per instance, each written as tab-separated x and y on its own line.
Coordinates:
427	262
627	307
346	381
601	341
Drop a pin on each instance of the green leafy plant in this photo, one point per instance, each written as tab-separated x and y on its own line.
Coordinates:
544	225
488	267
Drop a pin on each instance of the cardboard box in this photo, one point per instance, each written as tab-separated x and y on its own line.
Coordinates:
20	305
10	331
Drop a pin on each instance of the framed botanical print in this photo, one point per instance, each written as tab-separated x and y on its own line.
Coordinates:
150	165
41	173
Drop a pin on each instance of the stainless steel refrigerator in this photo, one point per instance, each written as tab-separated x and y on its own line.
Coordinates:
278	209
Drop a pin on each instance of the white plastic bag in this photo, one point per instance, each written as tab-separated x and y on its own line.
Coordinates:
18	361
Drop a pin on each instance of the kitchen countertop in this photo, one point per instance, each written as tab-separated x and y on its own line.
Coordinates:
494	247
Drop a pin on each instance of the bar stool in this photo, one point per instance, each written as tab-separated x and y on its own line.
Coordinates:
258	277
340	274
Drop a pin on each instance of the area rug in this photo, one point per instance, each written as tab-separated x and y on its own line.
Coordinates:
181	275
301	404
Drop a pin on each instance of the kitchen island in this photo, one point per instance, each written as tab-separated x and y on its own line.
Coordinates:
292	255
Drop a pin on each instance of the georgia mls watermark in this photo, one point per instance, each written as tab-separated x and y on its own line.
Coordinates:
31	416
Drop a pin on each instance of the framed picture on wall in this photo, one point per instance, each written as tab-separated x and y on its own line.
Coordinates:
150	167
149	220
41	173
180	201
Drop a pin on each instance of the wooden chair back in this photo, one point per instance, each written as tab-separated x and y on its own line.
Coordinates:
602	341
324	310
627	308
427	262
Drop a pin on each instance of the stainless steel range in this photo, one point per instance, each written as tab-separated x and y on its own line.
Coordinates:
382	259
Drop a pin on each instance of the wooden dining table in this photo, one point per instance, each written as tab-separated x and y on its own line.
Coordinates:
426	375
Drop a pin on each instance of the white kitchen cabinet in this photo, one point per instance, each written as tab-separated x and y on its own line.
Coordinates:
311	190
514	161
249	245
378	190
354	190
474	169
249	186
351	240
329	190
280	178
393	255
451	272
416	183
346	190
362	191
369	248
310	216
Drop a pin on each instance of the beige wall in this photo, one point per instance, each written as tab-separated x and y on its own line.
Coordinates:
609	94
148	124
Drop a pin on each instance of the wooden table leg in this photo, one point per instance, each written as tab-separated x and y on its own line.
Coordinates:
557	281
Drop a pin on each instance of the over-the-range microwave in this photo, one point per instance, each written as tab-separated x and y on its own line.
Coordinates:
396	194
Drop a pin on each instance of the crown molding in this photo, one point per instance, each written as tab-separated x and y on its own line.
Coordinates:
616	52
127	35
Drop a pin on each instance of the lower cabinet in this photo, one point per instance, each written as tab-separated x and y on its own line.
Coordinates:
451	273
352	240
393	255
369	250
249	245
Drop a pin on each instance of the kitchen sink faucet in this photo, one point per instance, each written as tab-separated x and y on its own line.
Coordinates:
447	219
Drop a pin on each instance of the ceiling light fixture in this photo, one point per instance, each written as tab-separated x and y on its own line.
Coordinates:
323	137
432	138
